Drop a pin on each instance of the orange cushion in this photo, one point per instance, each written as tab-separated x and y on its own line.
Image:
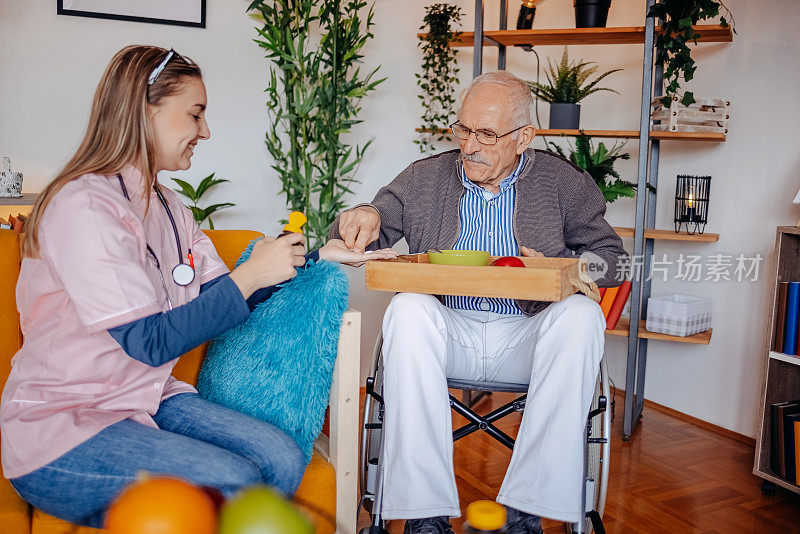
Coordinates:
14	512
10	336
231	243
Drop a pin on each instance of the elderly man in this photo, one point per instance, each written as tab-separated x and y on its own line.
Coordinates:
492	194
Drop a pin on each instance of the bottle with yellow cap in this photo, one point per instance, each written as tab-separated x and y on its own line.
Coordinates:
485	517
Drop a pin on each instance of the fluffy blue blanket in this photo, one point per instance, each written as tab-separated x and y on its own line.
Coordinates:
278	365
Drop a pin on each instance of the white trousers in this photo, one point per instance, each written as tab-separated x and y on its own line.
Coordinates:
557	352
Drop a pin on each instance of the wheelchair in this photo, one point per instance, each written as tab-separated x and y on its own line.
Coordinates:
597	445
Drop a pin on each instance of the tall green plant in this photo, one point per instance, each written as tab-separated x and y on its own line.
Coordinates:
566	82
196	195
599	164
314	93
439	76
672	44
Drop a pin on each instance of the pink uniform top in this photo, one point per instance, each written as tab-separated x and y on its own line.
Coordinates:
71	379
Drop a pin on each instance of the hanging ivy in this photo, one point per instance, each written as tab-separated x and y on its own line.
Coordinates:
672	44
438	79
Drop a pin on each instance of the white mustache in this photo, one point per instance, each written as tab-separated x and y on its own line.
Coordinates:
475	158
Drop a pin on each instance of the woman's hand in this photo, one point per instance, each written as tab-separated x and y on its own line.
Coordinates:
336	250
271	262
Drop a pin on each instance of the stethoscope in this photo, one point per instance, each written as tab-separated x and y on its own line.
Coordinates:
183	273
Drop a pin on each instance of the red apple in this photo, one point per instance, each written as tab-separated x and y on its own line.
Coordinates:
508	261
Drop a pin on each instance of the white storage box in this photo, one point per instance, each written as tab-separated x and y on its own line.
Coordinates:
678	315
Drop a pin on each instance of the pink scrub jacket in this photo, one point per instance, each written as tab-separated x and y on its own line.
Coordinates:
71	379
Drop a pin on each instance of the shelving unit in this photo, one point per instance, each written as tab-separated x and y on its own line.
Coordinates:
668	235
27	199
621	134
644	233
15	205
782	376
710	33
623	329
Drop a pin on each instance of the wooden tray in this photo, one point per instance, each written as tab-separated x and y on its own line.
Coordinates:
548	279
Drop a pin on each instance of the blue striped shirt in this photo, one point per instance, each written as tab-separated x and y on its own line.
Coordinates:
487	223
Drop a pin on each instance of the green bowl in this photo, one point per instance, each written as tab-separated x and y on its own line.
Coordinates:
459	257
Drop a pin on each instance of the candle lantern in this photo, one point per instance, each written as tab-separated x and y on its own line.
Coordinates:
691	203
526	13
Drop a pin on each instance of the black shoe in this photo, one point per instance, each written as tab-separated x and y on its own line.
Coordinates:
428	525
519	522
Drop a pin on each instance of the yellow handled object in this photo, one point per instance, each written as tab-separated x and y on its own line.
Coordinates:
296	221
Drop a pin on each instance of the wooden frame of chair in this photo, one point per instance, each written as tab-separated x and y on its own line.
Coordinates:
341	447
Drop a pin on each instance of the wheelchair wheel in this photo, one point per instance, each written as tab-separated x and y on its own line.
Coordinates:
372	432
599	454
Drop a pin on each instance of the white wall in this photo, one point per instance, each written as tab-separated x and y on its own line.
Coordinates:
49	66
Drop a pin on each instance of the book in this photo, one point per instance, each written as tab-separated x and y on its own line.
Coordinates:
792	309
789	421
797	451
780	317
608	300
783	409
774	461
619	305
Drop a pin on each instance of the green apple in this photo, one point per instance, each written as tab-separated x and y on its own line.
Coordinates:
262	510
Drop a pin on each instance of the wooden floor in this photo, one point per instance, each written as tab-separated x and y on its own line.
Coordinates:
672	477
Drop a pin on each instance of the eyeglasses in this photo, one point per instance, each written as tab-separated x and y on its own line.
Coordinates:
161	66
484	137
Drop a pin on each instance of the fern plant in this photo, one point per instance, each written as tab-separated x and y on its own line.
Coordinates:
567	81
672	44
439	76
314	91
195	195
599	163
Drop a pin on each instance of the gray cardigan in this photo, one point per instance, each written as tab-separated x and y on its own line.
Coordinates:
559	211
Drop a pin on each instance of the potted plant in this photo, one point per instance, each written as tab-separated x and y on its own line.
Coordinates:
677	20
439	76
566	86
591	13
195	195
599	163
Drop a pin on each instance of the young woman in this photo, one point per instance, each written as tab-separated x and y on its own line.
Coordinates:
109	299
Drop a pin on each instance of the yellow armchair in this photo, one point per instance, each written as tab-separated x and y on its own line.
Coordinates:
330	479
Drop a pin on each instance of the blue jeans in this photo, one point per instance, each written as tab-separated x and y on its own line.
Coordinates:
197	440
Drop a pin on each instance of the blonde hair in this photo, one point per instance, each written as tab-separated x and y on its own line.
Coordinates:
120	131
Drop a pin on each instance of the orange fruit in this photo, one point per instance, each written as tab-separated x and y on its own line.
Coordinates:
162	505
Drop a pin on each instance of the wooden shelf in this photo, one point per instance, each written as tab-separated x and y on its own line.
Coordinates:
634	134
709	33
27	199
668	235
619	134
703	338
788	358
